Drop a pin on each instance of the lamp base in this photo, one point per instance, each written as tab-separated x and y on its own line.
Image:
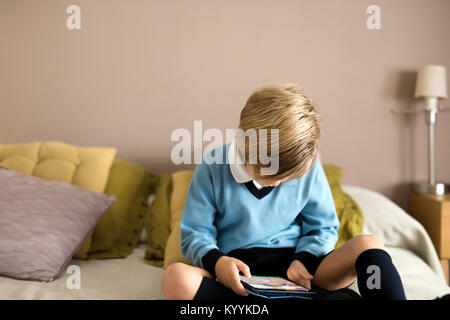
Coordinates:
439	188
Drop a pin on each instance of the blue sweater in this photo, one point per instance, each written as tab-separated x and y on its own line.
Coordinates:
221	215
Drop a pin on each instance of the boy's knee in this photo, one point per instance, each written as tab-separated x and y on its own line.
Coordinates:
172	271
366	242
173	279
181	281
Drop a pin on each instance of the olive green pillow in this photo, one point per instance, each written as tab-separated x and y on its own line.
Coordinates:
117	233
158	221
350	216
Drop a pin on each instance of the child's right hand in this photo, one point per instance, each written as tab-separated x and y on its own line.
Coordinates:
298	273
227	271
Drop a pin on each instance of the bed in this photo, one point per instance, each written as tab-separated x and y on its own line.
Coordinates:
131	278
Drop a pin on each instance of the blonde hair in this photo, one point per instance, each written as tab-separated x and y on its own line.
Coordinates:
283	106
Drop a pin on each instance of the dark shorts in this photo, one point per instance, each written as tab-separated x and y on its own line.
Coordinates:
261	261
267	261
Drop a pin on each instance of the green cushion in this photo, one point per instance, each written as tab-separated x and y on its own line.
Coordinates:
158	221
349	213
117	233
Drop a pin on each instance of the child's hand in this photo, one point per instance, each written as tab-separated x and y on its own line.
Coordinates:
299	274
227	271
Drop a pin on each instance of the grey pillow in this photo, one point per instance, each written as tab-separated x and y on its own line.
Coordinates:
43	223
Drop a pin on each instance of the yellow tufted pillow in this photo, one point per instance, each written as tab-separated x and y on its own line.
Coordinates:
180	187
349	213
86	167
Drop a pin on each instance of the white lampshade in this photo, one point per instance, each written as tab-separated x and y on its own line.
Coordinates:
431	82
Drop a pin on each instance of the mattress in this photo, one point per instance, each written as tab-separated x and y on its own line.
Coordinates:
131	278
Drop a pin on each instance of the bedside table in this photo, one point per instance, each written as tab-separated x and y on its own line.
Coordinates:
433	212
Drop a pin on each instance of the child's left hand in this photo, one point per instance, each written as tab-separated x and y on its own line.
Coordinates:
298	273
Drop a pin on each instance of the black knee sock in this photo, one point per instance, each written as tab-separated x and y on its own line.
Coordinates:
377	277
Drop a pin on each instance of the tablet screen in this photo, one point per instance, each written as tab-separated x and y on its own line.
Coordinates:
272	283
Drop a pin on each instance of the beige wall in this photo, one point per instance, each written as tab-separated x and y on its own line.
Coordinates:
139	69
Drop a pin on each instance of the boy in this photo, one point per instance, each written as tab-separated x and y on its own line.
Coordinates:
238	220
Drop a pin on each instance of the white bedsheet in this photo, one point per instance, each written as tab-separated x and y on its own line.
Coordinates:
406	240
129	278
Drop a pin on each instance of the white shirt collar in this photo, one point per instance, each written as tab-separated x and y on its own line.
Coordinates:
237	165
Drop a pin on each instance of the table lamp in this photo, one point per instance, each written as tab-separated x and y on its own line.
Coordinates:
431	85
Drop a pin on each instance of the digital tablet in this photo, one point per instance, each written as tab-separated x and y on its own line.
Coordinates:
275	287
